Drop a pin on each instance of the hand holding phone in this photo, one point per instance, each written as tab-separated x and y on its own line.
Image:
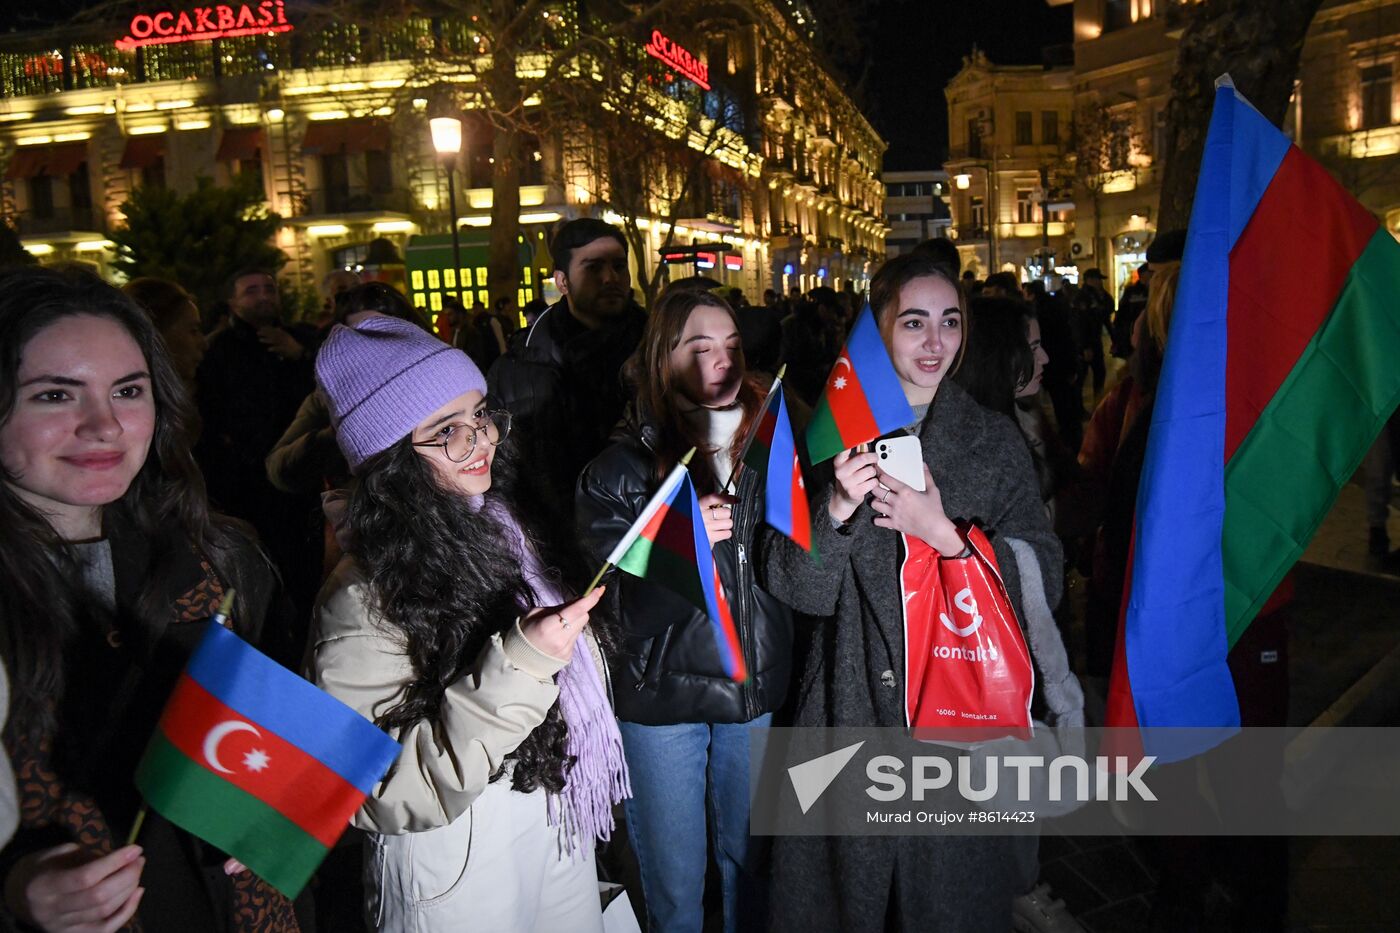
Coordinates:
902	458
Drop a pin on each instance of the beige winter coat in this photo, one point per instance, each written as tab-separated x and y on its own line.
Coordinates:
485	715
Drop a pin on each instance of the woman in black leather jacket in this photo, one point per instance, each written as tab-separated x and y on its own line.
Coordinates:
685	723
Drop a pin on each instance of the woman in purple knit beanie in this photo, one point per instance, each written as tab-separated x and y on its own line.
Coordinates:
450	624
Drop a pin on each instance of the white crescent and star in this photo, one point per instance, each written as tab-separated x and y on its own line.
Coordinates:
840	381
254	761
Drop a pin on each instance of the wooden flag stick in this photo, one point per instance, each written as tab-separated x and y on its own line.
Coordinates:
607	565
136	826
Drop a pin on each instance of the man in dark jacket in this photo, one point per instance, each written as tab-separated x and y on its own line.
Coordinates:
250	384
1090	315
1130	308
560	379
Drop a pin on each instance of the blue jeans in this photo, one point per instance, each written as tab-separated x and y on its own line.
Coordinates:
680	775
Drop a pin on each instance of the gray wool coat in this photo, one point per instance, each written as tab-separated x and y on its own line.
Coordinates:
854	675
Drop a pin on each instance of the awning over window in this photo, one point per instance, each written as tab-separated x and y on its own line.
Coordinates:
54	161
332	136
143	151
240	144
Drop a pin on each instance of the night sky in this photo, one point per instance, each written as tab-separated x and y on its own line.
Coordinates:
918	45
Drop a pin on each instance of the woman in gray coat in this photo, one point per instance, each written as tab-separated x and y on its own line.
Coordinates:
977	470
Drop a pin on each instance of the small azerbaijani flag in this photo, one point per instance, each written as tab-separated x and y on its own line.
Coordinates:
667	545
258	762
1279	373
769	452
862	399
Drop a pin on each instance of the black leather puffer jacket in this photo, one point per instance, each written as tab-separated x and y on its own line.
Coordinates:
667	669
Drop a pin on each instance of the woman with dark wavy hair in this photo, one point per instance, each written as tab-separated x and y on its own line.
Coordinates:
511	759
685	723
109	558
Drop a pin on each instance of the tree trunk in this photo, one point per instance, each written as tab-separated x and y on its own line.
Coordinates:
1259	45
506	98
503	264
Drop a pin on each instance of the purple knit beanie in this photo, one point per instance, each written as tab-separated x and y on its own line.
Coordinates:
382	377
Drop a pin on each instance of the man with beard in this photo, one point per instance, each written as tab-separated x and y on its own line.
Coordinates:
560	378
250	384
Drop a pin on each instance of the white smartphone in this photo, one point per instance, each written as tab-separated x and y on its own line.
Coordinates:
902	458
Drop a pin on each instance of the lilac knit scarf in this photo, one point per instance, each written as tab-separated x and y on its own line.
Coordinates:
598	779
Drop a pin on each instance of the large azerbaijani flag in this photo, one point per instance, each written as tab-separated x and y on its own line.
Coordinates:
259	762
1280	371
772	453
862	399
667	545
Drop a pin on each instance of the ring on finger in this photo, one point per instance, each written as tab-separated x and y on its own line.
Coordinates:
563	621
886	496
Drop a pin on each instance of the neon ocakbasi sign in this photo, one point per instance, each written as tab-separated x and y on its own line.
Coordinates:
218	21
679	58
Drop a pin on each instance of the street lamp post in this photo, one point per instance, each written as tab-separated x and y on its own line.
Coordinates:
447	142
964	181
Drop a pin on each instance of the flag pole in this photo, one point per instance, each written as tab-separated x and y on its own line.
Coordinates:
608	564
136	826
753	429
220	617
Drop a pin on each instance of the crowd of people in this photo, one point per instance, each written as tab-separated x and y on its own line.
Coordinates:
410	516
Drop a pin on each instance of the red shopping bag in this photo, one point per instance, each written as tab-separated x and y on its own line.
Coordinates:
966	660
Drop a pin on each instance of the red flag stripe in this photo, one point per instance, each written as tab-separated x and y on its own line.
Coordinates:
850	410
1274	312
801	512
731	633
290	781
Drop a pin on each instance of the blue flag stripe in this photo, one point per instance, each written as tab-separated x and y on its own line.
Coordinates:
246	680
879	381
777	498
1175	626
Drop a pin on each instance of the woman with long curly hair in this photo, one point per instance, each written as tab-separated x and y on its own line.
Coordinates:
685	723
511	760
109	560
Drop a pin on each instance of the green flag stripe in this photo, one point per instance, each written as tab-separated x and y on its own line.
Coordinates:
823	439
664	568
191	797
1312	436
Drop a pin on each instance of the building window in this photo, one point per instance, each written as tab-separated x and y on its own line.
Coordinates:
41	197
251	167
1023	128
153	174
1375	96
1159	135
1049	127
978	212
335	180
377	171
974	138
1025	206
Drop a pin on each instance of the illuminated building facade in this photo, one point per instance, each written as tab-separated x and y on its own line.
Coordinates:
1008	142
1345	110
916	208
333	121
